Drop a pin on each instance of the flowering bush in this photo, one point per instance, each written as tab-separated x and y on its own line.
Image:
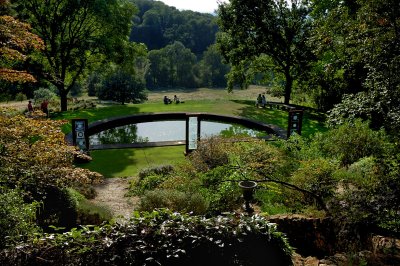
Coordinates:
34	151
35	158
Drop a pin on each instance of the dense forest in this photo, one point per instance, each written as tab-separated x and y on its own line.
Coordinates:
181	46
158	25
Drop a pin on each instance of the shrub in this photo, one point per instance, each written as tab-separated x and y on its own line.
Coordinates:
5	97
258	157
161	238
182	182
57	207
17	218
82	104
210	153
87	212
156	170
213	178
150	178
43	94
370	197
20	97
353	141
347	143
317	177
223	198
174	200
359	174
271	199
150	182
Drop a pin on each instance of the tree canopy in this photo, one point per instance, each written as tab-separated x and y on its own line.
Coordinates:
76	34
158	25
171	66
253	29
16	40
121	86
359	57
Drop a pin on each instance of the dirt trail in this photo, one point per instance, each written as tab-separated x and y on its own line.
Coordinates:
111	194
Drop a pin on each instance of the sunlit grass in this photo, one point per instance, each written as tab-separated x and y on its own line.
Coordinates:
312	122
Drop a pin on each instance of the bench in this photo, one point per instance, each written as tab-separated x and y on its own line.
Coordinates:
281	106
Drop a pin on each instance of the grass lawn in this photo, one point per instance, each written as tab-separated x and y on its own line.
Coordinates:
128	162
312	122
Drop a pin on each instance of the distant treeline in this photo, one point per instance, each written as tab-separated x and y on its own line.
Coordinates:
158	25
180	44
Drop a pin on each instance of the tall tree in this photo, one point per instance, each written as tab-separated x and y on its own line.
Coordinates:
212	70
181	61
123	87
375	46
172	66
77	33
253	28
335	39
158	72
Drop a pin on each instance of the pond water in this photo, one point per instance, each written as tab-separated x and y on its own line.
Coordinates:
166	131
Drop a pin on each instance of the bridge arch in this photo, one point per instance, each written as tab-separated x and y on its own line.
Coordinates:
113	122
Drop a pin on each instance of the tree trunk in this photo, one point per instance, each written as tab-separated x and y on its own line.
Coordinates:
288	86
63	99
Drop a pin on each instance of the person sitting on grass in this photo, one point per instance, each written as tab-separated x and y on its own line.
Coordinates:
263	101
259	100
176	99
167	100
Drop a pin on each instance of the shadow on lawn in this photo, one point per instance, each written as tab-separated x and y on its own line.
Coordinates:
313	121
128	162
110	163
265	115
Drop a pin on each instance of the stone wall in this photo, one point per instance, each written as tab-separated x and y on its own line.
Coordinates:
309	236
315	243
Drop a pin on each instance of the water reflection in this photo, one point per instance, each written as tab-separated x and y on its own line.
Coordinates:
166	131
126	134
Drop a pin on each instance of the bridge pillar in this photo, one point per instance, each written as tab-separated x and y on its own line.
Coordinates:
80	136
192	132
295	122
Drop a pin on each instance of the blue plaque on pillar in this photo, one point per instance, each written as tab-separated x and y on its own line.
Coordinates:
80	137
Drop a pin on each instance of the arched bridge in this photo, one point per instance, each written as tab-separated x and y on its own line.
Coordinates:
113	122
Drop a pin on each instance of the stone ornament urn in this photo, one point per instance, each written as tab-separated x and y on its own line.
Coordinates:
247	187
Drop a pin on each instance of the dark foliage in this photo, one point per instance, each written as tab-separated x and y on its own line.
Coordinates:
161	238
276	31
158	25
122	87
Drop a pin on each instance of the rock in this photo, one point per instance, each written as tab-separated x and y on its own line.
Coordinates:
311	261
381	244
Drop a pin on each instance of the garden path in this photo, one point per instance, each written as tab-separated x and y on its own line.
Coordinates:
111	194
